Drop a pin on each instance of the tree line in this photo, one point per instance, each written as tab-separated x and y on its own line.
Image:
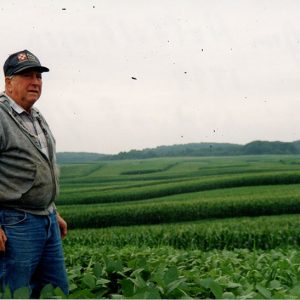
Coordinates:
192	149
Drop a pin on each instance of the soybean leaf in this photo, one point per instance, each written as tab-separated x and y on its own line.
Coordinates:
113	266
127	287
295	290
152	293
233	285
116	296
228	295
147	293
206	282
140	262
72	286
99	293
7	293
263	291
102	281
275	284
47	292
59	293
139	281
174	284
97	270
89	280
281	295
170	275
215	288
82	294
22	293
137	271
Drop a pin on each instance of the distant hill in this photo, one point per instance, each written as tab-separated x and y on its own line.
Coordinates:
195	149
262	147
78	157
214	149
192	149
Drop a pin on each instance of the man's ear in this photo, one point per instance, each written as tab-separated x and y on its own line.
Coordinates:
8	85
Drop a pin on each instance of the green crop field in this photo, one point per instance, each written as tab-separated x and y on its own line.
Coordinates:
199	227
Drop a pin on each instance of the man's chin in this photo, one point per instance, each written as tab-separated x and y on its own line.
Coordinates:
33	97
31	100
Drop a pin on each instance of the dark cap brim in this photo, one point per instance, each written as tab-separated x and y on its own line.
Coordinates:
40	69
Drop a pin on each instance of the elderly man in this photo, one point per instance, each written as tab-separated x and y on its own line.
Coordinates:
30	228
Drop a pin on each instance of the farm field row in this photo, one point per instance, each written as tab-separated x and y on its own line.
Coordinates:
222	203
265	232
161	189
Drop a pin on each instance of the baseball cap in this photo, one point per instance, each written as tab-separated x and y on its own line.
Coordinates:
21	61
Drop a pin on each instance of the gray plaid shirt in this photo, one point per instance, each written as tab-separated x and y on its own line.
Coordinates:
30	122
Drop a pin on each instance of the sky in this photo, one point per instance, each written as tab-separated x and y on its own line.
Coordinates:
136	74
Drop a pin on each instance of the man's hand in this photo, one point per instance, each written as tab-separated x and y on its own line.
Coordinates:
3	239
62	226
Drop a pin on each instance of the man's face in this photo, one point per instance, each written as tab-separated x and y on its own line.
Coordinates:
25	88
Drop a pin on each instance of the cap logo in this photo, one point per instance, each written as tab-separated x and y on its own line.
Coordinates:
32	57
22	57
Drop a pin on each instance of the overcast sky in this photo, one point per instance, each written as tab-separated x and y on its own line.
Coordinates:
135	74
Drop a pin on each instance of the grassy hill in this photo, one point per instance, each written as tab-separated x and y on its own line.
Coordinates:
190	150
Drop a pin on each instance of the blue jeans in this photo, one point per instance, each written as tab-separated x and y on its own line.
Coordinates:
33	255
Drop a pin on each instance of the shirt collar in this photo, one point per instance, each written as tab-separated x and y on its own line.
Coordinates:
15	106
